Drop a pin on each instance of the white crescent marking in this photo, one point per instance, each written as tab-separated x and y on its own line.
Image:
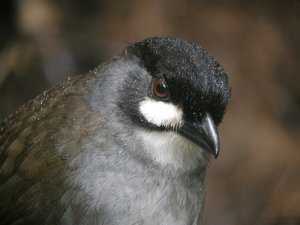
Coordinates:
161	113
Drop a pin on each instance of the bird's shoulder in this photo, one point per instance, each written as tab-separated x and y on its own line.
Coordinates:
38	139
44	145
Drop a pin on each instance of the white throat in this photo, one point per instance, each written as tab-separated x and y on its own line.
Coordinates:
171	149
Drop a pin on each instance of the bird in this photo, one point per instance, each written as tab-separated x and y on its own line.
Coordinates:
129	142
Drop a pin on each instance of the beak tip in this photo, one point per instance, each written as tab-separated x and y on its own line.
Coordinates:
213	149
217	149
216	154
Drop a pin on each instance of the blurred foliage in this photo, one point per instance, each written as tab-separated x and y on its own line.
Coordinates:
256	179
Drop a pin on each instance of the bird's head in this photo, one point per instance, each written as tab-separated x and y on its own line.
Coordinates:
176	97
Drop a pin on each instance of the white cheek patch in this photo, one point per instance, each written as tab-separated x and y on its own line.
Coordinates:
161	113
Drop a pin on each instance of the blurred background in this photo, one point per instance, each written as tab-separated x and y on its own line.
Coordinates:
256	179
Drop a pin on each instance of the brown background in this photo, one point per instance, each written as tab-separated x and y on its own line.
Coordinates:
256	179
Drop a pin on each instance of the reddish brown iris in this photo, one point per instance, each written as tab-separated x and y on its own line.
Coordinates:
160	89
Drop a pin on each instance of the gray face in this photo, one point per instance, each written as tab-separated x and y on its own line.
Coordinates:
177	97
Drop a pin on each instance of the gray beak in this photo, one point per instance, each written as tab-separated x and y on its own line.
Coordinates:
203	133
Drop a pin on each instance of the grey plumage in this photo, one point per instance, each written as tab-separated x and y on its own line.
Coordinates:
78	153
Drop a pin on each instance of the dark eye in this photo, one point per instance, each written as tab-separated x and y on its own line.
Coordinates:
160	89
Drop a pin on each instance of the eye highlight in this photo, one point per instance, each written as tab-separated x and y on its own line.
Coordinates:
160	89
